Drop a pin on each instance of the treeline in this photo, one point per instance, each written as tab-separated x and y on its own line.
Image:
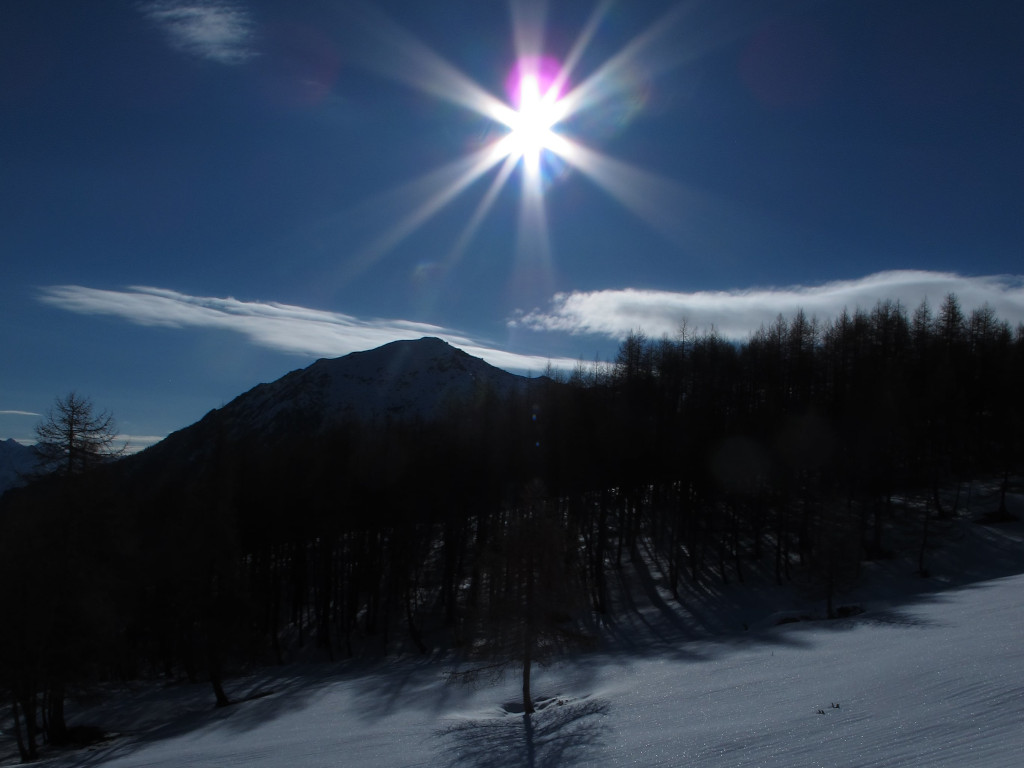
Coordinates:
498	529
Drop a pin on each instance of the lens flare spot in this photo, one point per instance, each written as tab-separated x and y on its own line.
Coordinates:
544	71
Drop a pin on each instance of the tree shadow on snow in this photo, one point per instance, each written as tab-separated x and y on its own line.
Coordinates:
157	713
696	625
559	735
705	619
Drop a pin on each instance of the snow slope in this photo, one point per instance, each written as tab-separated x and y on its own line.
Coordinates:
935	679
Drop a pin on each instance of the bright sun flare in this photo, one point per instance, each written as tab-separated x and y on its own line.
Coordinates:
540	100
531	125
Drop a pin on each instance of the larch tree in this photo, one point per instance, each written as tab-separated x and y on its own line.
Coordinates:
64	532
74	437
532	604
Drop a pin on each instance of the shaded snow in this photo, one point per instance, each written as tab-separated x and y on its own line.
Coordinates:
928	679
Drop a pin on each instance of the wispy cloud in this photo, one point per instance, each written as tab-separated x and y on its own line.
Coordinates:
19	413
132	443
211	29
284	327
735	313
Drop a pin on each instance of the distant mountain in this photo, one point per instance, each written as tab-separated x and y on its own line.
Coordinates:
401	380
423	379
15	459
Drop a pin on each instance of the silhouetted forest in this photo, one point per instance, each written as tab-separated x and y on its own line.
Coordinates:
496	529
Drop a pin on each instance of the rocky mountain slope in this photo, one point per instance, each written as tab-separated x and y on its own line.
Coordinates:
15	459
400	380
426	379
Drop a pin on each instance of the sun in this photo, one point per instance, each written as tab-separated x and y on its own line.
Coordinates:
535	130
533	86
531	129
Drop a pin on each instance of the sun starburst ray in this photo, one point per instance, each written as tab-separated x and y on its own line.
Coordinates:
643	52
576	53
534	120
532	279
660	202
482	209
433	192
412	62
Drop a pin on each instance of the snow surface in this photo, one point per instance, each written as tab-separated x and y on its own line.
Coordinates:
918	679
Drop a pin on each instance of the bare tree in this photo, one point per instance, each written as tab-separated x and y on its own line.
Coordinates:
63	575
73	437
534	604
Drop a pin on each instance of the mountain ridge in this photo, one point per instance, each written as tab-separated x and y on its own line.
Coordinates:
402	379
15	460
406	380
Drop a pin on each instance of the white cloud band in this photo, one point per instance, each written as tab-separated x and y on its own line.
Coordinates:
736	313
283	327
611	313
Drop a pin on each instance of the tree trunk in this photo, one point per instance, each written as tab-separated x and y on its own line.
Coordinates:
527	696
937	500
780	546
528	636
620	503
601	586
56	728
216	671
26	742
1003	512
450	576
218	689
28	711
410	619
830	589
921	568
674	556
737	547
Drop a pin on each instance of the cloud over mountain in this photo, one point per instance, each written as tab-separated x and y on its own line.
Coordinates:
736	313
284	327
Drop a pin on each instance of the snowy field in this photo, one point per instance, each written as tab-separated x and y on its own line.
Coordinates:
930	675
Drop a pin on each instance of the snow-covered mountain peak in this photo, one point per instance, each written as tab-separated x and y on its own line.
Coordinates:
421	379
401	358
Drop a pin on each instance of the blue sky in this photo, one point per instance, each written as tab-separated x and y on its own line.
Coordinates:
199	196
